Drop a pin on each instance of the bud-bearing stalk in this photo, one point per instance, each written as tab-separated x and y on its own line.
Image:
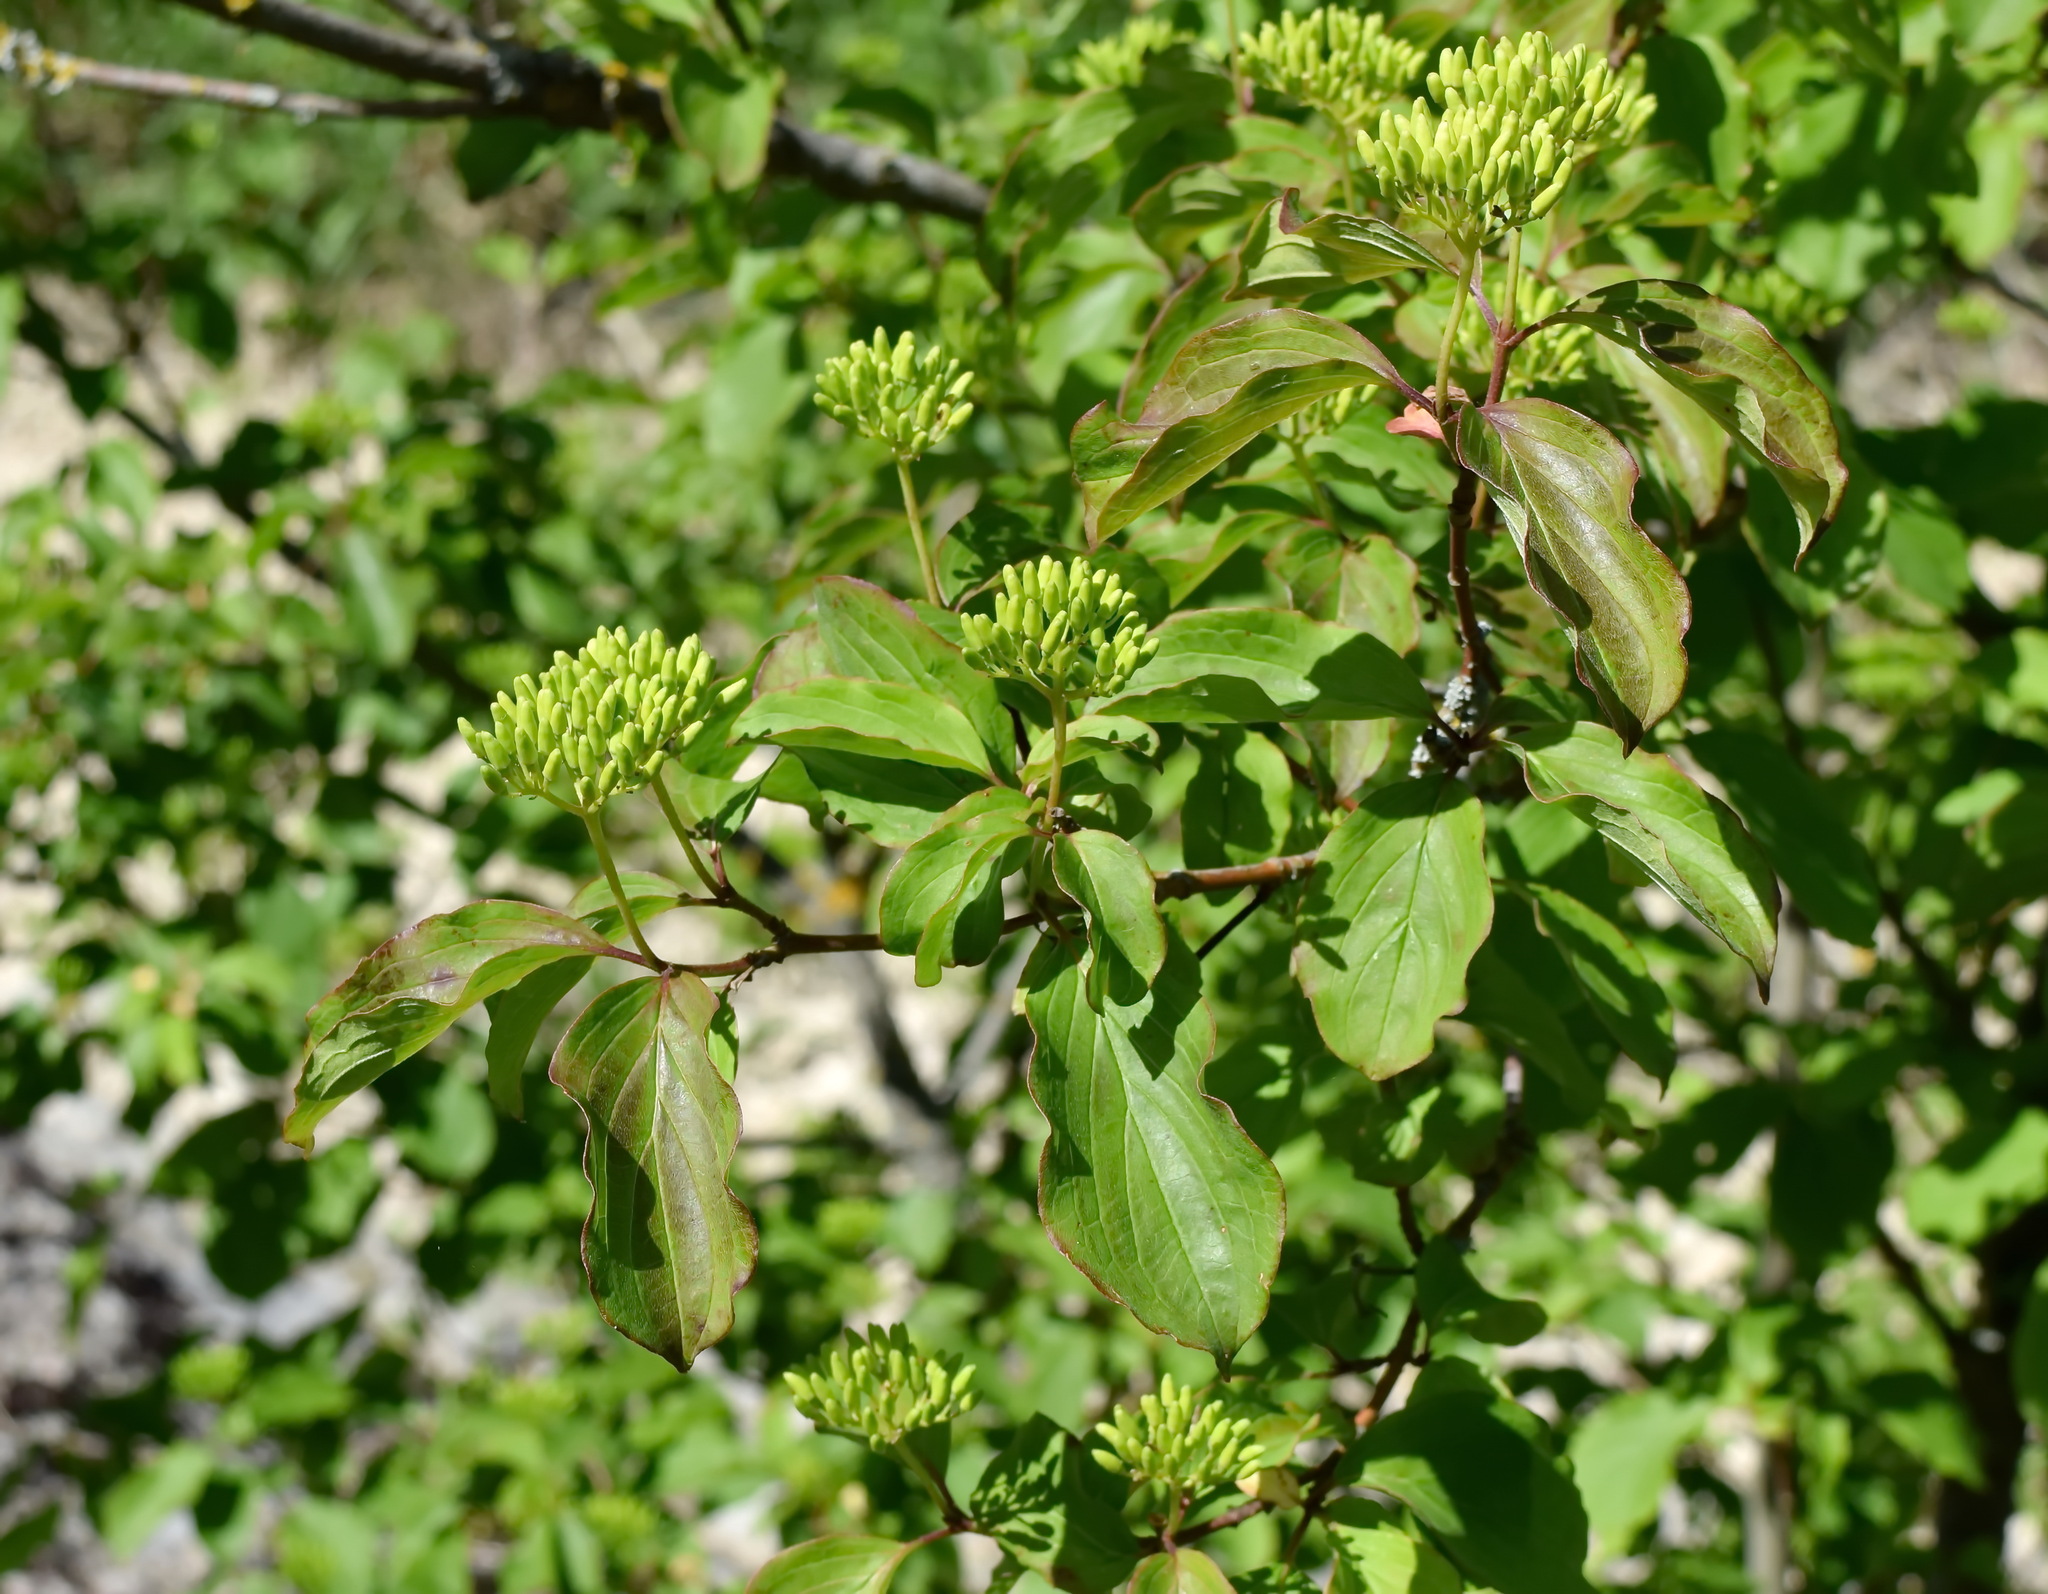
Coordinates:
908	400
598	725
1173	1440
1342	63
881	1388
1070	630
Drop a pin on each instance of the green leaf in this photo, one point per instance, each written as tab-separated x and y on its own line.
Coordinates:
1687	455
1258	665
1188	551
1088	735
1468	1464
130	1511
954	871
1793	820
1376	593
1397	904
650	895
1108	877
1054	1509
1565	487
1195	306
1385	1139
890	799
667	1245
1722	358
1239	806
725	110
414	986
868	633
1982	1180
1373	1557
1179	1572
880	719
1180	207
2030	1350
1147	1185
1284	257
1691	844
1520	1017
1448	1296
1624	1455
1225	387
1629	1003
841	1563
516	1017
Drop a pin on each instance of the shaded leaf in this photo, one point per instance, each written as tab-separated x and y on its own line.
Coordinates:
516	1017
1691	844
1450	1297
1253	665
667	1245
948	874
1239	805
1284	257
1397	904
881	719
1225	387
1147	1185
1724	360
1796	824
1565	486
1179	1572
1054	1509
1106	875
414	986
1629	1003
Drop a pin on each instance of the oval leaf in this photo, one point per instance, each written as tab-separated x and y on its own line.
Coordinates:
667	1245
1629	1003
1286	258
1565	487
868	633
1398	903
841	1563
1691	844
1249	666
1722	358
937	866
1147	1185
883	719
1105	874
1226	386
414	986
1179	1572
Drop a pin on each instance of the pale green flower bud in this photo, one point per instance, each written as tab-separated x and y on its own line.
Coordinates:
881	1387
898	396
1174	1440
1342	63
1066	628
606	720
1118	62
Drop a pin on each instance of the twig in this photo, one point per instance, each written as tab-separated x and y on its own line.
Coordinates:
563	88
430	16
1411	1230
1463	514
1909	1280
1258	901
1177	883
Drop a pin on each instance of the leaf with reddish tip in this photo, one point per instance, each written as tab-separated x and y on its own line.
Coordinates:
1565	486
667	1245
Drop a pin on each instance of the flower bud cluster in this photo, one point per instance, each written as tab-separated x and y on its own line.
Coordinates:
1118	62
1341	62
1072	631
1514	121
1170	1439
24	56
910	401
1587	101
600	724
881	1387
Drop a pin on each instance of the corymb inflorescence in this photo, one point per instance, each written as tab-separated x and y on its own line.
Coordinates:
1343	63
909	400
1071	630
881	1387
1118	62
598	725
1513	124
1173	1439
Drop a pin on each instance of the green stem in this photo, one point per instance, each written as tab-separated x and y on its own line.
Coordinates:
924	552
1505	329
1237	95
1451	329
935	1486
1324	507
611	874
682	830
1059	752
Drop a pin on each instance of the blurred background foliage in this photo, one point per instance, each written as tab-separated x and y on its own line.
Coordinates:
318	432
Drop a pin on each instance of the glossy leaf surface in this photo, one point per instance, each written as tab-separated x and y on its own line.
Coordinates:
1251	665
